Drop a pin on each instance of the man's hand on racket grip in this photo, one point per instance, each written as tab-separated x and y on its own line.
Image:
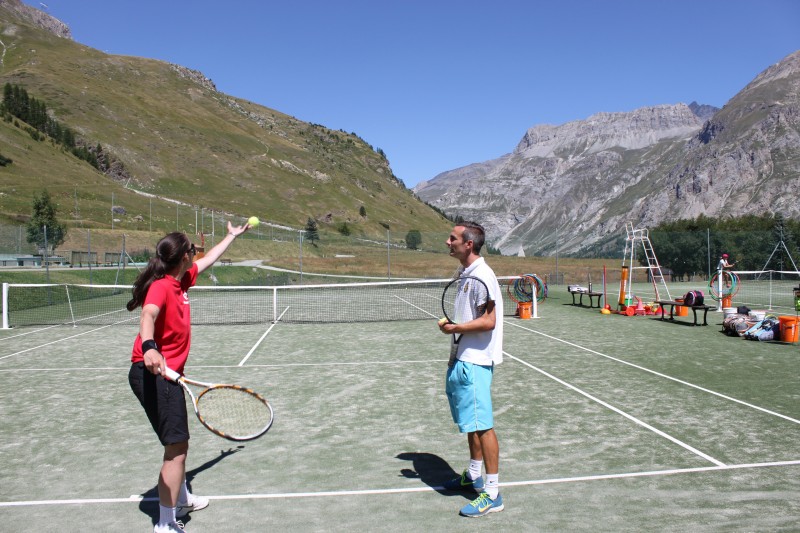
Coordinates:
447	327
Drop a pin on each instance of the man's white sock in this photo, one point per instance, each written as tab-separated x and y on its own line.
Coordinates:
475	469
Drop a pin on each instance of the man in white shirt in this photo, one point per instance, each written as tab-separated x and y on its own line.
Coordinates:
469	378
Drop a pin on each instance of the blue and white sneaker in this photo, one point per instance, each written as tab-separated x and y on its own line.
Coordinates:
483	505
463	482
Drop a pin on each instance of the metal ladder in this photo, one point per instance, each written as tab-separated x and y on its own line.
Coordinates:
653	267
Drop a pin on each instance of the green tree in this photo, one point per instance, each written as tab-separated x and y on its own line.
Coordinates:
344	229
44	215
413	239
362	211
312	232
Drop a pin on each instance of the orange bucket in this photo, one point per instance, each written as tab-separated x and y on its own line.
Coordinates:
789	328
726	301
681	310
525	310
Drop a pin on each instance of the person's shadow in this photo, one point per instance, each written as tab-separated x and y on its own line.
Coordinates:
149	503
431	470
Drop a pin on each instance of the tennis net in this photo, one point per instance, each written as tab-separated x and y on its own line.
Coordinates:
52	304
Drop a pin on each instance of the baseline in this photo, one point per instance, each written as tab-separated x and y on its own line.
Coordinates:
369	492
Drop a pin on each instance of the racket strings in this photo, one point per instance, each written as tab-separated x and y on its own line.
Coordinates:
469	300
234	412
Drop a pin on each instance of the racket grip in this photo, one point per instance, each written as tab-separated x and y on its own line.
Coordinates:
172	375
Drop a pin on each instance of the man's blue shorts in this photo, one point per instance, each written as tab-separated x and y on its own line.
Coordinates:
469	391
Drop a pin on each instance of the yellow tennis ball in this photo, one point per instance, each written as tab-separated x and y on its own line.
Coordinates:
253	221
442	321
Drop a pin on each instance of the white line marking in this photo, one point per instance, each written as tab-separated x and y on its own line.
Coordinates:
253	349
659	374
620	412
324	494
63	339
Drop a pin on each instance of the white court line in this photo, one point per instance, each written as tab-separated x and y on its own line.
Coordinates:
659	374
32	331
253	349
64	339
367	492
621	412
196	367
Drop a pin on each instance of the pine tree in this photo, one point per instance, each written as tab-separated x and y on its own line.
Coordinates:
312	233
44	214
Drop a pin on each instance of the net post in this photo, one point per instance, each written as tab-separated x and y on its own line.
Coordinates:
719	291
274	304
534	302
5	306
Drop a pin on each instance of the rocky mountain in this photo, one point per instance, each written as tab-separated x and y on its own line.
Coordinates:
37	18
574	187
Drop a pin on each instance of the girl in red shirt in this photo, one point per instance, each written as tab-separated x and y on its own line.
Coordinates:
163	341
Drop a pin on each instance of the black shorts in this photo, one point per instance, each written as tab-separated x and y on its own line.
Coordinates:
163	401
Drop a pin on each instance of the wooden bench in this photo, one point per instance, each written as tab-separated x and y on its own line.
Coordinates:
225	262
695	308
590	294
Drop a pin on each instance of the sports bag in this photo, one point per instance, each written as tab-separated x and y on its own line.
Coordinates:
693	298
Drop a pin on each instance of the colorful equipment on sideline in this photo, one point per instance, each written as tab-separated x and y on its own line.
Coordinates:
522	291
722	287
634	239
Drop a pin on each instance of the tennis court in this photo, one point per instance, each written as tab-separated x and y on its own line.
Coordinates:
606	423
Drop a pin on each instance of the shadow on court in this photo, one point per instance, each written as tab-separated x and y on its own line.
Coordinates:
431	470
149	504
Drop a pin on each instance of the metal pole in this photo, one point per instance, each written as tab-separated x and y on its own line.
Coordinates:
388	258
46	263
89	251
301	257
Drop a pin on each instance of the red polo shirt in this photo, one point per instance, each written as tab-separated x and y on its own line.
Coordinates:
173	328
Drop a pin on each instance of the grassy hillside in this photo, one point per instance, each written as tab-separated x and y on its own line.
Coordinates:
180	139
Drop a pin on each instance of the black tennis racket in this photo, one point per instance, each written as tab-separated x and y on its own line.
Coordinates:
464	299
230	411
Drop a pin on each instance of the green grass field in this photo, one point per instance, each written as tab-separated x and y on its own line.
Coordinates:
606	423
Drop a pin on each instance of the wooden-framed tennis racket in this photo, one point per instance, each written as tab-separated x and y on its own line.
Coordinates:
464	299
230	411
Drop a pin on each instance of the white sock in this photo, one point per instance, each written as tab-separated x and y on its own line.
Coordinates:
183	495
474	469
492	486
166	514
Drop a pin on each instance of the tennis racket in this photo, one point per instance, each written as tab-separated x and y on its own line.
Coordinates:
230	411
464	299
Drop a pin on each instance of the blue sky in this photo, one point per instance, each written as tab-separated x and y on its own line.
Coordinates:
439	84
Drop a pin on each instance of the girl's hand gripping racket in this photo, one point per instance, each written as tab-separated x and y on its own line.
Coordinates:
230	411
464	299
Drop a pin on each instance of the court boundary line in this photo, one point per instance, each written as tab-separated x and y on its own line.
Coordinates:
368	492
661	375
253	349
619	411
64	339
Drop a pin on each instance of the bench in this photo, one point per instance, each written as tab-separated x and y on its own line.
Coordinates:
695	308
590	294
225	262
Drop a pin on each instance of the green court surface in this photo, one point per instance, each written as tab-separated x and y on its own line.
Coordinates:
605	422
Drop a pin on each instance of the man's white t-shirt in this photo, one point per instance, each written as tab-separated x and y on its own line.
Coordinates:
484	347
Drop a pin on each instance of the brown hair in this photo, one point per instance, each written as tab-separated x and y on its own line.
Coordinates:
473	232
169	253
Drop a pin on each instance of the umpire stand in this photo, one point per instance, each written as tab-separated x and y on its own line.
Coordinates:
634	239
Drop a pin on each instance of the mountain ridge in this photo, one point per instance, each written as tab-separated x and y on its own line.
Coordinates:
573	187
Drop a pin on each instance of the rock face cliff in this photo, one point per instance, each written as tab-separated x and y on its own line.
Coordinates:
38	18
573	187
